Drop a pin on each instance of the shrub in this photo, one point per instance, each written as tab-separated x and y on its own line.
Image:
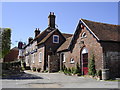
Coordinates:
77	69
91	66
38	69
73	70
99	73
34	68
45	71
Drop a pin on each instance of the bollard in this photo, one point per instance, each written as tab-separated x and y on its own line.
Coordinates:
105	74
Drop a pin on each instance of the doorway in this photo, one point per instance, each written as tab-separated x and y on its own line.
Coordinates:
84	60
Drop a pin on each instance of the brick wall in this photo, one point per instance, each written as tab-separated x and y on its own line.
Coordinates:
90	43
54	46
53	63
112	57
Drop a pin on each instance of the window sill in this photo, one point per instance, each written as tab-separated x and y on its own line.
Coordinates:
64	61
40	61
72	62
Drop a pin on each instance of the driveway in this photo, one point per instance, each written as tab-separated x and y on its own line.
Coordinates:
56	80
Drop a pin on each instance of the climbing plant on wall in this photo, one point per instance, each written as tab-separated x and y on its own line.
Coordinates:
91	66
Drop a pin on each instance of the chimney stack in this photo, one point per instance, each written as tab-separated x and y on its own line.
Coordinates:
20	44
30	39
37	31
51	20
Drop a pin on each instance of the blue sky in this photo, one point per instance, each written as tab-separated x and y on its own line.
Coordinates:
24	17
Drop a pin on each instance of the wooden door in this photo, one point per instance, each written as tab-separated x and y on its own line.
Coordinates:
85	63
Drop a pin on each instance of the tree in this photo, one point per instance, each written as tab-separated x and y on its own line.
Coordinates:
91	66
6	41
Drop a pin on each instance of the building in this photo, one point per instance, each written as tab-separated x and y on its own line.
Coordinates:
93	38
51	49
40	52
15	53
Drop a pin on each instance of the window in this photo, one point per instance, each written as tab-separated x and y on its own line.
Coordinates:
64	58
72	60
33	58
84	35
55	39
40	57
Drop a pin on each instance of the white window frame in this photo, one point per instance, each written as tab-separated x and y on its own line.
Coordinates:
82	36
40	57
53	38
33	58
72	60
64	58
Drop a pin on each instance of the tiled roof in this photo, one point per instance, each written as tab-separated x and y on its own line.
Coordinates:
47	36
41	36
12	55
66	35
65	45
105	32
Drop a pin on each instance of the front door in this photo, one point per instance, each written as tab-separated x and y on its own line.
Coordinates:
85	63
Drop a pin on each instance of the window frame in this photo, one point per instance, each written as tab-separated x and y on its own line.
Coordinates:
82	35
72	61
33	58
64	58
54	38
40	57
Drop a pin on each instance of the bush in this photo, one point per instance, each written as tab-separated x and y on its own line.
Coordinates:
45	71
10	65
77	70
99	73
91	66
38	69
34	68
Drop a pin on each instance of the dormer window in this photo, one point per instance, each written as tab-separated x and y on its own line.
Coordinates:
84	35
55	39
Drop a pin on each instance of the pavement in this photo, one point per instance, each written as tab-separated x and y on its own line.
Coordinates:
55	80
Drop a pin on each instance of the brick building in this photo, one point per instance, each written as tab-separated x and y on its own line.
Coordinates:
51	49
15	53
93	38
39	50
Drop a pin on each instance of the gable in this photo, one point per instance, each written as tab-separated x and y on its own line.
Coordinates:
103	31
100	31
54	32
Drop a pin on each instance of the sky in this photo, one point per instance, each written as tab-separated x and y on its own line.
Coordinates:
24	17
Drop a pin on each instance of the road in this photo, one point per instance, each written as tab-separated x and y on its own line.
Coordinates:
57	80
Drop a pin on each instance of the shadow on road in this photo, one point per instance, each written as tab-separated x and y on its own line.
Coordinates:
19	75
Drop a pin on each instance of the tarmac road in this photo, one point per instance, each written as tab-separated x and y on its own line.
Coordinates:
56	80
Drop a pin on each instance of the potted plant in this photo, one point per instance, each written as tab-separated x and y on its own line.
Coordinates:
34	69
38	69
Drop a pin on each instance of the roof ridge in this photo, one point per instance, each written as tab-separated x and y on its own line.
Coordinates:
99	22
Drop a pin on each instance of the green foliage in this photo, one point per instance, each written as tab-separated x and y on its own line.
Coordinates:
38	69
11	65
99	73
77	70
91	66
45	71
6	41
73	70
34	68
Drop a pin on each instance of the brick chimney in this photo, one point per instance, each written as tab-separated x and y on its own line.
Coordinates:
30	39
37	31
51	20
20	44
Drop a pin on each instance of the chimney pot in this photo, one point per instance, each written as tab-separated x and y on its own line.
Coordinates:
20	44
51	20
37	31
30	39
